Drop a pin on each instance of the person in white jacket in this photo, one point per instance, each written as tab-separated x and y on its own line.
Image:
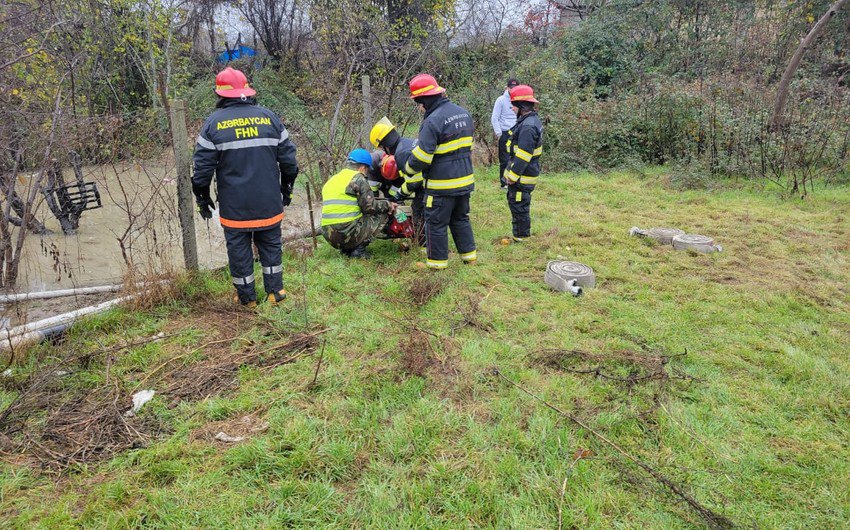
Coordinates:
503	119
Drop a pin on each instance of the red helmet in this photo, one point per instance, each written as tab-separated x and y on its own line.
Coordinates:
389	168
230	83
523	93
424	85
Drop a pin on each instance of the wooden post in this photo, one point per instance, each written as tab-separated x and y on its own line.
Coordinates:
367	109
312	221
185	204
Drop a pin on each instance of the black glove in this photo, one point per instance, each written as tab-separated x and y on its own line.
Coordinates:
286	192
205	206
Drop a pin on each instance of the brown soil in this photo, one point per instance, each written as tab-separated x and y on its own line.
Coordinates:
244	427
640	380
54	425
424	288
432	358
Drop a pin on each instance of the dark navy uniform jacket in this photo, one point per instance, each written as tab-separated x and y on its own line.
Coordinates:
525	145
403	154
249	151
443	153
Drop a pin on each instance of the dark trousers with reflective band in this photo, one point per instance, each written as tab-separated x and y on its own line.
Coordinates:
519	202
443	213
504	157
240	255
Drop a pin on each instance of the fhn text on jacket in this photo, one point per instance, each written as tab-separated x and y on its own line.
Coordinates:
248	149
249	152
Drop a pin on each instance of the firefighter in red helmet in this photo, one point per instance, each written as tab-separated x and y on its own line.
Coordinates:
443	154
524	145
249	152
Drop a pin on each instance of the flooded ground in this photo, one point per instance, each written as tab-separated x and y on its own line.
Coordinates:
139	212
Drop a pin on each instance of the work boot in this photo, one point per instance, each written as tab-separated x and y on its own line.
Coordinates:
359	251
250	304
276	298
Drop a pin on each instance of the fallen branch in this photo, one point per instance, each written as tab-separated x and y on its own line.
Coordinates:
181	356
578	456
319	363
714	520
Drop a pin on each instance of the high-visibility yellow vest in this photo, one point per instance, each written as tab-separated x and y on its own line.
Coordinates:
338	206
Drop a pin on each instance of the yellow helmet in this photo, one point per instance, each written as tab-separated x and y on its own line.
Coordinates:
380	131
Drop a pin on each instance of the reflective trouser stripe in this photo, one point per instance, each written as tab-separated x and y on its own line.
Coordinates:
247	280
448	184
469	256
272	270
438	263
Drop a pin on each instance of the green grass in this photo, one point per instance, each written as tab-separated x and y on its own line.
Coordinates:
760	435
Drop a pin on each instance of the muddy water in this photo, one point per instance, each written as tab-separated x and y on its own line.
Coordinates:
140	209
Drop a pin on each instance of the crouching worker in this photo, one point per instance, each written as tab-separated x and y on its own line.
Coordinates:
351	215
384	136
248	150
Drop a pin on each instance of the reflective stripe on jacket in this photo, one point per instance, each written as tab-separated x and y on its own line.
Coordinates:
337	205
525	145
347	197
248	150
443	153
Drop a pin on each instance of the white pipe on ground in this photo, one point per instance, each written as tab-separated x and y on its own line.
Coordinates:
34	332
44	295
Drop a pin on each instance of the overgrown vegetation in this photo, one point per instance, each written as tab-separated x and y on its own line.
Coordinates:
701	366
621	82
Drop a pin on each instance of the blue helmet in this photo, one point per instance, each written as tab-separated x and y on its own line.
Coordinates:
360	156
